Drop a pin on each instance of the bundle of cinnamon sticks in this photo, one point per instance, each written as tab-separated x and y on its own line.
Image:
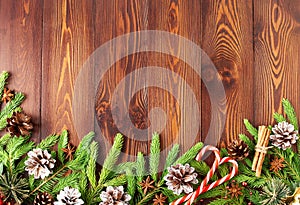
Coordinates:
261	149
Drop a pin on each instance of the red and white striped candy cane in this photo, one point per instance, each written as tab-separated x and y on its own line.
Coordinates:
204	187
209	174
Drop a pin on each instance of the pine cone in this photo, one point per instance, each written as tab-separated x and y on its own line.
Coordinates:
238	150
69	196
39	163
180	178
43	199
19	124
114	195
284	135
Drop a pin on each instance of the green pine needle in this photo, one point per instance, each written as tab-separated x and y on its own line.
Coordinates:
80	161
131	183
251	129
3	77
116	181
154	156
62	143
111	158
278	117
10	107
140	167
4	139
48	142
91	167
85	143
248	141
290	112
172	156
190	154
70	180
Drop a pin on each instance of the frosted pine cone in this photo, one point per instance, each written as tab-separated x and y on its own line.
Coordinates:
114	195
180	178
43	199
39	163
69	196
284	135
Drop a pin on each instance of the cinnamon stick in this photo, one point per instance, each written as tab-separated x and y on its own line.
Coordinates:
266	137
259	144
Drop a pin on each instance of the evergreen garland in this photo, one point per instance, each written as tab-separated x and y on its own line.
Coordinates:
142	179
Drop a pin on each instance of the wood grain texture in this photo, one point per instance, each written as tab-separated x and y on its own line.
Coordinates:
67	43
21	52
276	56
254	45
227	39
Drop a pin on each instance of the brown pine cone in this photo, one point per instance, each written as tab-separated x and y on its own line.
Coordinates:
19	124
43	199
238	150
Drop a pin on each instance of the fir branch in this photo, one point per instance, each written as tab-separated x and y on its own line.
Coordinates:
290	112
148	197
47	180
154	156
190	154
111	158
4	139
83	185
251	129
70	180
131	183
140	167
85	143
3	77
62	144
116	181
219	191
48	142
200	166
248	141
172	155
167	192
278	117
11	106
91	167
221	201
79	161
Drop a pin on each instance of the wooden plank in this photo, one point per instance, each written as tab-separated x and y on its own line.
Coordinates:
20	52
68	42
122	17
276	29
182	18
227	39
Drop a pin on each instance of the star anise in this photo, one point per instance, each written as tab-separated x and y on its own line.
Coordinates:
7	95
69	150
277	164
234	190
147	184
159	199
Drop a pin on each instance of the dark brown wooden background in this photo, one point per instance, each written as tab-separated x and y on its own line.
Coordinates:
253	43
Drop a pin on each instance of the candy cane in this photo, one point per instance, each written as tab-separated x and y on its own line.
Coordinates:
204	187
209	174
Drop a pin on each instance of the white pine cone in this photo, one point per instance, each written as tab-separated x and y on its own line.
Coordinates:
180	178
284	135
69	196
39	163
114	195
